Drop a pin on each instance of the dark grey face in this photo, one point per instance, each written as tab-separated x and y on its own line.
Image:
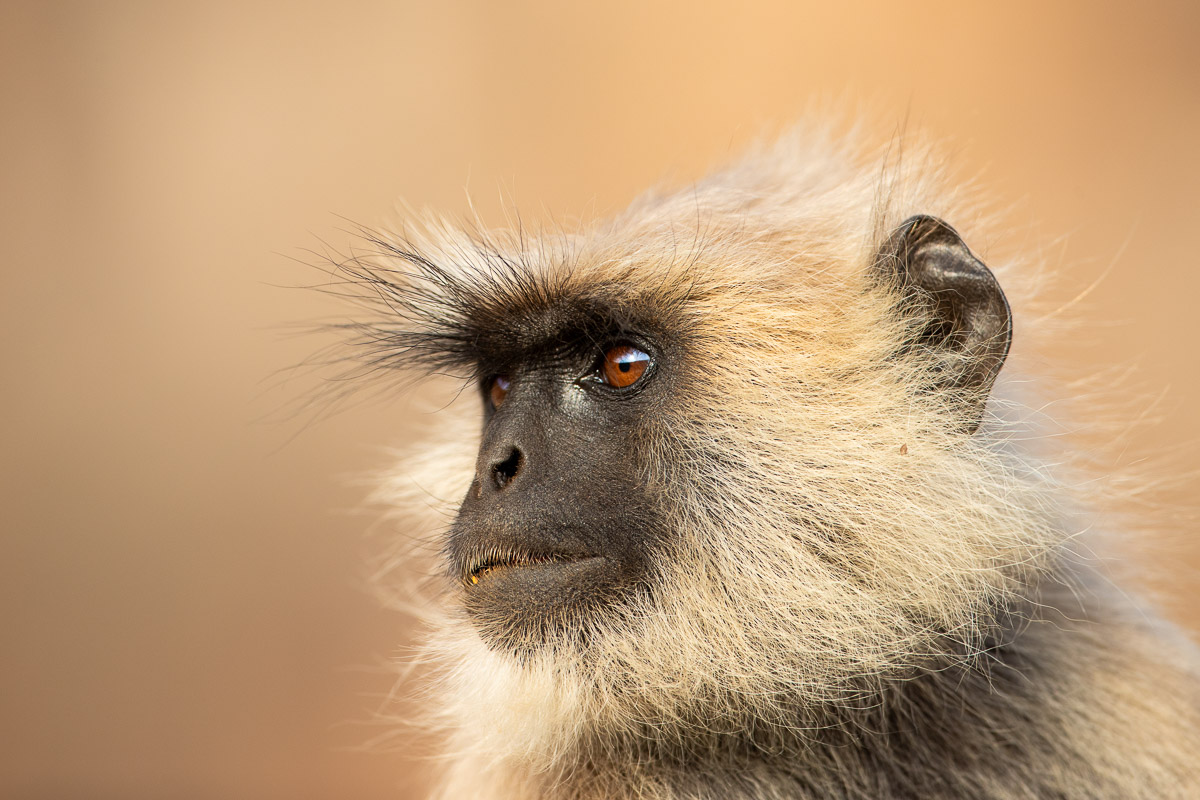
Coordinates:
560	519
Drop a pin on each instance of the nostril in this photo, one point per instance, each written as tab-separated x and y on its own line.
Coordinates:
506	470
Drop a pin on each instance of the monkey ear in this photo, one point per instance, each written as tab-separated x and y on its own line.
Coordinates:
965	314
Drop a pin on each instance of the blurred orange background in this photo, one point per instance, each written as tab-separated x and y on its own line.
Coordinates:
185	611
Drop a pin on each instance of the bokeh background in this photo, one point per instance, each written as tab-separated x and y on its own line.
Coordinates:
184	609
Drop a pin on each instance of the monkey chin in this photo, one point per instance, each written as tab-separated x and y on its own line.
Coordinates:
524	606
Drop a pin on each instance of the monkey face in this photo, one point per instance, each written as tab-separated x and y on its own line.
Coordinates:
560	518
603	400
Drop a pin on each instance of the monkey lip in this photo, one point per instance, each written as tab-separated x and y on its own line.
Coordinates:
482	568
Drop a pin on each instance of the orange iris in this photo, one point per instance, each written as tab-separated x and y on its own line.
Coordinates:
498	390
623	366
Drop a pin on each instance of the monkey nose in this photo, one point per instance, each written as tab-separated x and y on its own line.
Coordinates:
504	470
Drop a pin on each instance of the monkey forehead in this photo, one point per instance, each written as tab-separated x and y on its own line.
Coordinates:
514	312
530	307
458	299
454	300
479	309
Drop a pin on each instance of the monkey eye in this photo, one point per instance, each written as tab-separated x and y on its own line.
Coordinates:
623	365
498	390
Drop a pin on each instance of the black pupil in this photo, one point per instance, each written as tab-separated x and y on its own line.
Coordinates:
624	365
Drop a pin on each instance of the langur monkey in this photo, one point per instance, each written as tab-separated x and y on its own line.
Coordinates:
729	514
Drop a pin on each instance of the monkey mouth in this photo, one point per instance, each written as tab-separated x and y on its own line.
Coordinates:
486	565
523	593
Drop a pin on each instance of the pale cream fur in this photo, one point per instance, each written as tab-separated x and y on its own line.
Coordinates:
844	532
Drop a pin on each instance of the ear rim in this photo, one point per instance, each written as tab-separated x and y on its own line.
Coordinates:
939	277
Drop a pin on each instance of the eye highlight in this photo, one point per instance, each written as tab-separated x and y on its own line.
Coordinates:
498	390
623	366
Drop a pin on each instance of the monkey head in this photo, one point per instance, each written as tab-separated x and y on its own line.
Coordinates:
733	463
581	386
